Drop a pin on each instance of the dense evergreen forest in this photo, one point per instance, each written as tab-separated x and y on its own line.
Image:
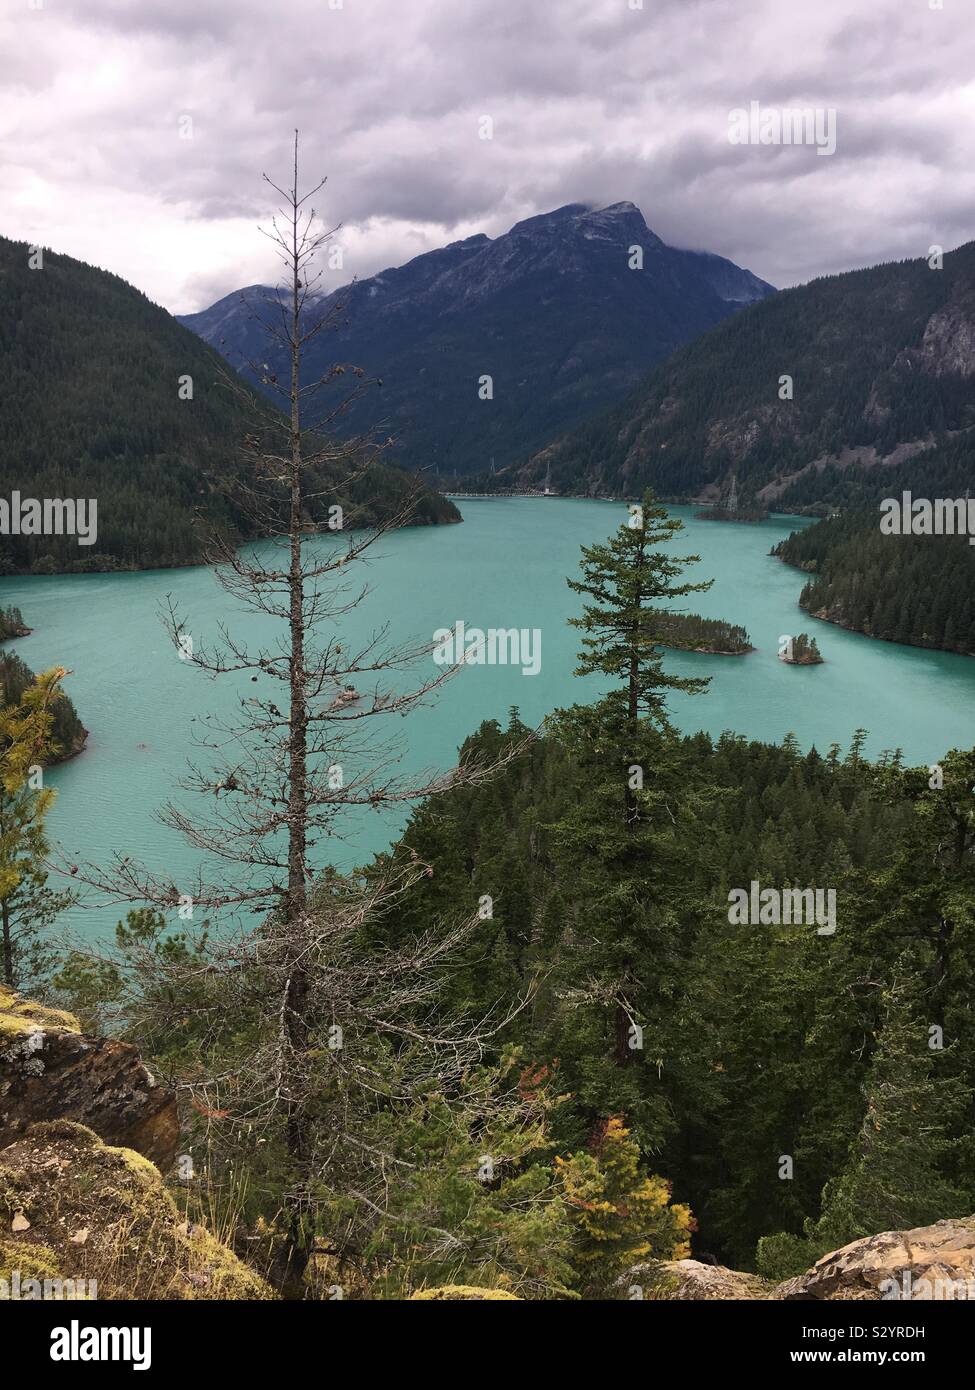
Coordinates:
92	408
875	359
757	1041
914	589
690	632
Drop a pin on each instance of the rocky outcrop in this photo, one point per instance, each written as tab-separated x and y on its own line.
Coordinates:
679	1280
50	1070
928	1263
98	1222
948	345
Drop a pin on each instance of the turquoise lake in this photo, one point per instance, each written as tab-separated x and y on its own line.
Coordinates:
504	567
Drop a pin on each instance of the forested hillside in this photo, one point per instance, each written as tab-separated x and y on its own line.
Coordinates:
757	1041
800	398
92	408
914	589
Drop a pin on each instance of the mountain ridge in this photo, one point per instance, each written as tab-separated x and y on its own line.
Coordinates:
96	406
551	311
878	361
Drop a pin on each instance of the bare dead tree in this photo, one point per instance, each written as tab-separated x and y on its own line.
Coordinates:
278	780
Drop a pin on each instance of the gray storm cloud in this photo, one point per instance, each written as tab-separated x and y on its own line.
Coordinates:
135	131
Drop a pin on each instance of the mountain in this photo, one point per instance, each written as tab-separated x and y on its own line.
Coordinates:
882	367
91	409
551	311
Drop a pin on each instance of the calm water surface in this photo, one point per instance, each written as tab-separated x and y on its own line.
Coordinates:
504	567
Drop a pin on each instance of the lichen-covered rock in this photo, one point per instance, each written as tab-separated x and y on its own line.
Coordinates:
927	1263
75	1209
49	1069
677	1280
463	1293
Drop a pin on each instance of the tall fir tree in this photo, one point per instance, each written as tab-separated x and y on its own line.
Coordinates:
628	826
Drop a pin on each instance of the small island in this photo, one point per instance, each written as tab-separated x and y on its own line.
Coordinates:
800	651
12	624
689	632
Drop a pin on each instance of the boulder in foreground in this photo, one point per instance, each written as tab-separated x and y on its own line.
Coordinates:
50	1070
928	1263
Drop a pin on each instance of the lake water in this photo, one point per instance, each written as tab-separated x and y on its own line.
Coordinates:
504	567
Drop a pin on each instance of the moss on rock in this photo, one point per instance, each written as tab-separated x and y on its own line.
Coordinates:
464	1293
103	1213
29	1261
19	1016
49	1069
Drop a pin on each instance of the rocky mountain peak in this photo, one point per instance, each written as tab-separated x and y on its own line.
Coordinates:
554	310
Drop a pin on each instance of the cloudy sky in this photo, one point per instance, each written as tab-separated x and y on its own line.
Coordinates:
591	101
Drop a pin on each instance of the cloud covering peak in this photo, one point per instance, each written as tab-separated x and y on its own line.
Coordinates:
135	131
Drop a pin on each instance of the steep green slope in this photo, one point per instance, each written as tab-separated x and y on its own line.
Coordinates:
91	408
882	366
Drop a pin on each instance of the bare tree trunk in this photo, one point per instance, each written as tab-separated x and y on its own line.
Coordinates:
8	948
272	798
623	1052
297	894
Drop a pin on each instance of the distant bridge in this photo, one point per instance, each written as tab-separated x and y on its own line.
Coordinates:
503	492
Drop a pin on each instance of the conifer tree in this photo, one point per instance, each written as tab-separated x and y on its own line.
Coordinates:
897	1172
896	1175
626	825
624	578
302	1010
622	1214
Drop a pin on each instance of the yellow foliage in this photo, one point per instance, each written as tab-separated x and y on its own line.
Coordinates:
622	1215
